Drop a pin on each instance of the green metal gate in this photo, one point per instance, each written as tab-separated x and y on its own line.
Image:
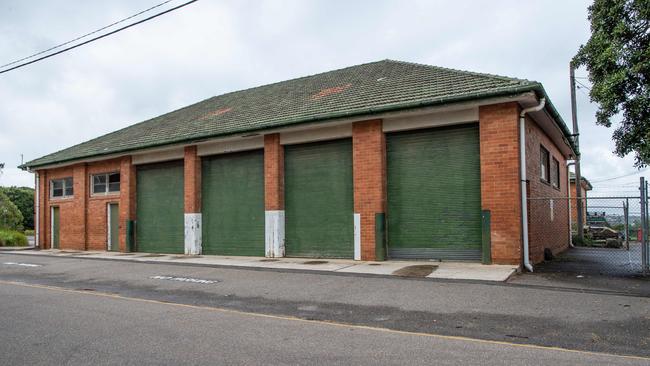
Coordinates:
319	200
160	222
434	194
233	204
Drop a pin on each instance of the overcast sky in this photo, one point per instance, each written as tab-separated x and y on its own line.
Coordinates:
215	46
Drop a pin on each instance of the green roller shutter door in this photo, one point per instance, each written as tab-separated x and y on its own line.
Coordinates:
319	200
160	222
233	204
434	194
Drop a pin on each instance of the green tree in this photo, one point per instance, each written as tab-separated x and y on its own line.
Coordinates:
10	216
617	58
23	198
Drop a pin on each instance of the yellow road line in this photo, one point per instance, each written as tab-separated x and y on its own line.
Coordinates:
322	322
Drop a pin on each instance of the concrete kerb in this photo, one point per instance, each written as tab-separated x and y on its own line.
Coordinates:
451	271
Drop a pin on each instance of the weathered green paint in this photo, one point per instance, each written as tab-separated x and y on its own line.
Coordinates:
233	204
160	208
56	227
319	200
434	193
380	236
487	240
114	212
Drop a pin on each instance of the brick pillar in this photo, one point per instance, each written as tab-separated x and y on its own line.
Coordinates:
43	216
274	196
76	219
369	170
500	188
127	199
192	197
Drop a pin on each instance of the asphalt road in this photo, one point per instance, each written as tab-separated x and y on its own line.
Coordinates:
81	311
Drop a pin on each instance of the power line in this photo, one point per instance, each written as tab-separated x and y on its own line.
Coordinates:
85	35
583	86
98	37
620	176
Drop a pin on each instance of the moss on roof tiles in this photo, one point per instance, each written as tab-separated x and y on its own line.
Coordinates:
357	90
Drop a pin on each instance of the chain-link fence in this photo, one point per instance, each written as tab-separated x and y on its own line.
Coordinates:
613	240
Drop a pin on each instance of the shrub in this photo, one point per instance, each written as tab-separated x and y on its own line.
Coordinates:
10	216
23	198
11	238
29	232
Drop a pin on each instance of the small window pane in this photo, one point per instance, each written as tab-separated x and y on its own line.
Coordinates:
99	183
68	186
57	192
114	182
114	178
544	165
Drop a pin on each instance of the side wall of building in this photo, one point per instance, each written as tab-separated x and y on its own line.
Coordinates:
548	210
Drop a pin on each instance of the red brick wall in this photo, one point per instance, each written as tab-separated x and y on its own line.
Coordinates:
97	211
83	217
273	173
369	170
192	186
500	189
72	229
574	203
548	224
127	197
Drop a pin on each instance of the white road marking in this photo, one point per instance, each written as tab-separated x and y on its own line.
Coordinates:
22	264
183	279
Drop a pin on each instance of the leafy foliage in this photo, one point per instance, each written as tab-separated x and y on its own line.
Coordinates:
11	238
10	216
617	57
23	198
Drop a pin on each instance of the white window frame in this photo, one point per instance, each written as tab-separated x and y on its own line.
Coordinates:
106	192
65	187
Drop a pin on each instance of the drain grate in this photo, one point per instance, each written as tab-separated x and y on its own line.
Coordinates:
269	260
315	262
421	270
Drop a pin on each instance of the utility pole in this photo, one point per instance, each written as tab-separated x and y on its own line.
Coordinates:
576	141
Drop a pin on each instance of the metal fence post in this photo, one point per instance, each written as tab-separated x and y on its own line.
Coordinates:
626	218
644	225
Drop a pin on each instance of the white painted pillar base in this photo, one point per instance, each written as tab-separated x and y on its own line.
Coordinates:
274	233
357	237
193	233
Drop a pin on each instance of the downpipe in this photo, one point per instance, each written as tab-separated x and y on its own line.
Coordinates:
522	169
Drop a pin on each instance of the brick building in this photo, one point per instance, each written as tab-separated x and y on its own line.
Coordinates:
585	186
377	161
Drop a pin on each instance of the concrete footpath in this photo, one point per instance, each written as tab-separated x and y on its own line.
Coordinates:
422	269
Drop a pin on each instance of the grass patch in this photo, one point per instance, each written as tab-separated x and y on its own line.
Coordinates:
11	238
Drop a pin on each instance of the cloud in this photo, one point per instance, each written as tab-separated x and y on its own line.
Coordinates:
209	48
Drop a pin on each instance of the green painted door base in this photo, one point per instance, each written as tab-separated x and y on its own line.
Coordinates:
114	220
319	220
56	225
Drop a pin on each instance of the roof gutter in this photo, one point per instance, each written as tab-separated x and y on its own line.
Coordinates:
522	169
